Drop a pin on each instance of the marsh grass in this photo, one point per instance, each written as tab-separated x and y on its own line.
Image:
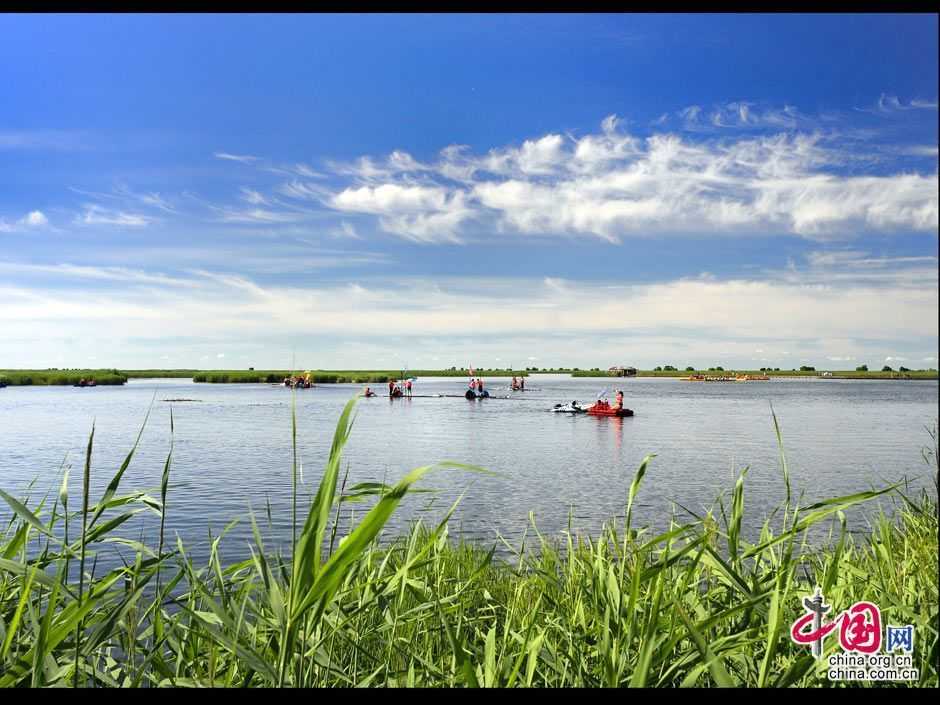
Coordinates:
696	604
60	377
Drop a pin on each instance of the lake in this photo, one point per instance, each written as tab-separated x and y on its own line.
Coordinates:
233	448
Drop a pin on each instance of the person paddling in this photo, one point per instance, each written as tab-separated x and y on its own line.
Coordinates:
408	387
391	387
618	403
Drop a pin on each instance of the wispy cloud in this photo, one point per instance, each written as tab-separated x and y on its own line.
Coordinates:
66	271
729	316
890	104
96	215
346	231
242	158
257	215
253	197
55	140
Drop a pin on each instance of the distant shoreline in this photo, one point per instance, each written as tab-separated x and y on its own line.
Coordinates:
110	377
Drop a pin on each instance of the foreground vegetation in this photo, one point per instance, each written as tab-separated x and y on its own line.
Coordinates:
697	604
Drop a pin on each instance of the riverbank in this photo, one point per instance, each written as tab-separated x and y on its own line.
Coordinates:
833	374
113	376
60	377
696	605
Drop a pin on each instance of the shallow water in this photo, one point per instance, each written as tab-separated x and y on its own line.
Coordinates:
233	448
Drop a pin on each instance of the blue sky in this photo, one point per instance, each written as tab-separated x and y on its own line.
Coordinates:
365	191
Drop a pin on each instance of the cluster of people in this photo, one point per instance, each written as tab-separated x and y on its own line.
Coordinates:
86	383
476	385
518	384
396	389
618	401
298	381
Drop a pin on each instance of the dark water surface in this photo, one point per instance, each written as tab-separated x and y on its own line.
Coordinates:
233	450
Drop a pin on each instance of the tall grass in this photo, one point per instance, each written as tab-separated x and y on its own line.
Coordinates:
336	376
695	604
60	377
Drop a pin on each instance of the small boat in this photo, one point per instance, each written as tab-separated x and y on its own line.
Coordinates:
470	394
604	409
569	408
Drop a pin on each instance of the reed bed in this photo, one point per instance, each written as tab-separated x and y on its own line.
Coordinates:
336	377
843	374
60	377
697	604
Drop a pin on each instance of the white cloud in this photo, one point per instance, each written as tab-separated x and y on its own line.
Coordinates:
418	213
708	318
96	215
258	215
613	185
243	158
888	104
71	271
253	197
347	231
35	219
32	220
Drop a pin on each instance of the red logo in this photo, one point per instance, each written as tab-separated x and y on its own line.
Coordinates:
859	626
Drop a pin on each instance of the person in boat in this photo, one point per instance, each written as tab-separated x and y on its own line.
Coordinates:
480	386
391	387
368	393
522	384
515	384
618	403
408	387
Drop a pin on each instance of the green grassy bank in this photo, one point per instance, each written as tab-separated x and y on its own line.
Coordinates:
842	374
113	376
697	604
338	376
60	377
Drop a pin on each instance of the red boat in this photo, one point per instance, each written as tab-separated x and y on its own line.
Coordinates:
602	408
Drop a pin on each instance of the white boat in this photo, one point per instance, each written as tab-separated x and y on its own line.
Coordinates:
569	408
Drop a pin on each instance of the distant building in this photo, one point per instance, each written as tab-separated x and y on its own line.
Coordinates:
621	371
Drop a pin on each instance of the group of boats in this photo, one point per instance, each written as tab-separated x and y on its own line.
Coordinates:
725	378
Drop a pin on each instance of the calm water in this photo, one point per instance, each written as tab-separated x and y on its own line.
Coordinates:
233	453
